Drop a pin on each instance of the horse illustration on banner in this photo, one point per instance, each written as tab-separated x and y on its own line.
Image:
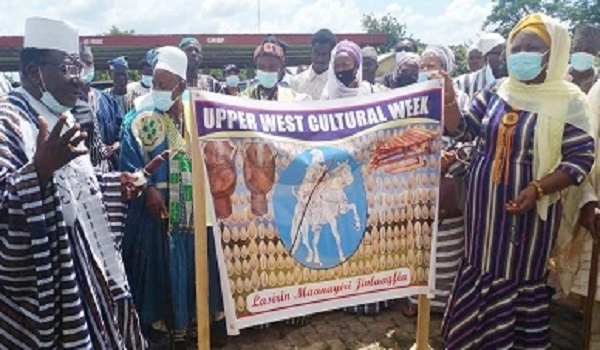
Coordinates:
321	200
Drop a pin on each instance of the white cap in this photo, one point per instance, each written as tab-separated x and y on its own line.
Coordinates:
51	34
488	41
172	59
474	47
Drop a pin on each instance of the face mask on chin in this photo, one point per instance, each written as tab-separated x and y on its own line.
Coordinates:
49	100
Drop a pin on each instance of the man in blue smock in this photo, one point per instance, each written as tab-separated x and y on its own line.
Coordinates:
158	246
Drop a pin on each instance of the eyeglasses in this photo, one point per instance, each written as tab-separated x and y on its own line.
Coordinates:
70	70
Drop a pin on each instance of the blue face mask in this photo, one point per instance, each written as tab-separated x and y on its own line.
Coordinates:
489	75
50	101
267	79
88	75
147	81
525	66
162	100
582	61
232	80
424	76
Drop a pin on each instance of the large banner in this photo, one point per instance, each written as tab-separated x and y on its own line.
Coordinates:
324	204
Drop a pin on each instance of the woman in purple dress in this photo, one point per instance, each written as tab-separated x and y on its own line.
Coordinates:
535	141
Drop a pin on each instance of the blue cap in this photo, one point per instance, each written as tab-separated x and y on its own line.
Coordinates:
150	57
230	67
118	62
189	41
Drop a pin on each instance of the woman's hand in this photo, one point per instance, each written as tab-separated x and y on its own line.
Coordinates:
524	202
448	158
449	93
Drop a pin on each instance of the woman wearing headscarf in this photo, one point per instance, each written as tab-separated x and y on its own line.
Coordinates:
345	80
406	71
536	141
344	77
450	236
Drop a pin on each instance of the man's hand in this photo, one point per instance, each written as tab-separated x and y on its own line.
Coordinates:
131	185
155	203
55	151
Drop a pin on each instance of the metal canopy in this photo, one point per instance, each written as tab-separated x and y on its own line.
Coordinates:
218	50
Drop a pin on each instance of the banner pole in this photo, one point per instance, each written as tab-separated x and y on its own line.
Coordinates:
591	297
200	232
423	319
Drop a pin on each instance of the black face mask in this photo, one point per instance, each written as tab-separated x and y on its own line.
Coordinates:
405	79
346	77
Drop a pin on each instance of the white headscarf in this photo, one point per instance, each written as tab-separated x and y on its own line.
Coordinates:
555	101
334	88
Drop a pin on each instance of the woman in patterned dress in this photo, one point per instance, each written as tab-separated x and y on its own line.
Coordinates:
536	141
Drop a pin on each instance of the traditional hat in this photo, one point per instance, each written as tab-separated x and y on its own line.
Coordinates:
172	59
120	61
489	41
51	34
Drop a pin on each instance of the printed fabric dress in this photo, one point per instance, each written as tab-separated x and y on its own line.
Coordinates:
500	298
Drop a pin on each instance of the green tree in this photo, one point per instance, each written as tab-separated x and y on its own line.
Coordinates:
387	24
115	31
584	12
461	65
507	13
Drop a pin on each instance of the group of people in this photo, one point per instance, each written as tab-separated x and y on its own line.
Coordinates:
89	258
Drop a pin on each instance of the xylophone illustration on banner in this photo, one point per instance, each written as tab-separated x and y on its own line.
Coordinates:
324	204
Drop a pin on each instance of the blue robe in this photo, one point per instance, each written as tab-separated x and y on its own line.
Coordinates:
145	240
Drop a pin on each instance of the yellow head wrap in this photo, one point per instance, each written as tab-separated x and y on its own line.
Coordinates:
555	101
534	24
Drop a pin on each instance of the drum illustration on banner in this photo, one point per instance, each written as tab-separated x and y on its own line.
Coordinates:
322	214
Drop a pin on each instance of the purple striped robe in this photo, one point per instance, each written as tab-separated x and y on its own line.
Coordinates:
52	294
500	297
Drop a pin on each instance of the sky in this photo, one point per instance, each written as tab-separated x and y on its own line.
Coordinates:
432	21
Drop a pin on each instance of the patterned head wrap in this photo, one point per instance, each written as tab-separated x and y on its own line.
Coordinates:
269	49
351	49
442	53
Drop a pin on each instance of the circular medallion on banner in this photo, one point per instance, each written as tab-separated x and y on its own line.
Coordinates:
320	207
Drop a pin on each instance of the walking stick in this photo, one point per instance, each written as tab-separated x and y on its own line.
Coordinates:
169	292
591	295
